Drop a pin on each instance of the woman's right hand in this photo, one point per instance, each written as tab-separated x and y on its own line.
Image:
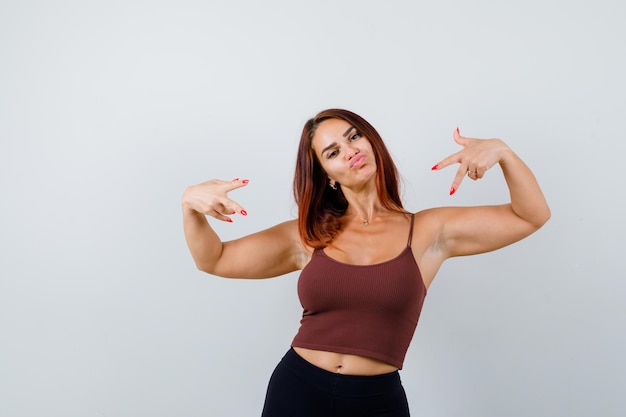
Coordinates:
211	198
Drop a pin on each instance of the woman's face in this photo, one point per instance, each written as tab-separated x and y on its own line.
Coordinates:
346	155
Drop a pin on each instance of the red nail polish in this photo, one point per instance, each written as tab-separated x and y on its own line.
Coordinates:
243	213
229	220
236	179
435	167
452	191
245	181
458	131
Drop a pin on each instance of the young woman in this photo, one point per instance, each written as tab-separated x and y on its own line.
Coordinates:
366	261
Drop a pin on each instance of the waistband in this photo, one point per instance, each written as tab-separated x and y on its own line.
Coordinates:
339	384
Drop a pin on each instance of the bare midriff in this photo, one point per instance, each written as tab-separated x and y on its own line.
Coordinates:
343	363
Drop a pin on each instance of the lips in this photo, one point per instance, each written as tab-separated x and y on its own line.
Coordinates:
357	161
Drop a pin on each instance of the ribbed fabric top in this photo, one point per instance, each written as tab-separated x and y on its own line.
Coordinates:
367	310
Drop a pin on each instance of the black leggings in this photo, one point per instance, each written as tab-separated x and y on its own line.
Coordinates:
298	388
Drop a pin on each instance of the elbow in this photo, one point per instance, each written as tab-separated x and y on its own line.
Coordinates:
546	214
534	217
206	261
542	217
205	267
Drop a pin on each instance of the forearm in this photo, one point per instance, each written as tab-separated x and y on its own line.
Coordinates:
527	199
204	244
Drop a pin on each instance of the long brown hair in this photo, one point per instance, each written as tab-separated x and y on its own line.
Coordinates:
320	207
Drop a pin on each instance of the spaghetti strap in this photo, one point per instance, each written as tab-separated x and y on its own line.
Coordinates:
408	243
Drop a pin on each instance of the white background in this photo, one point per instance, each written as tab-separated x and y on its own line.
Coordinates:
108	110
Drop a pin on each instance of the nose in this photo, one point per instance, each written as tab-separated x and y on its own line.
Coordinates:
351	152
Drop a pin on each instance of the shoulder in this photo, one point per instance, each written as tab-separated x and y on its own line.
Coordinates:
437	222
288	226
267	253
286	231
428	218
428	246
428	225
437	216
282	236
289	232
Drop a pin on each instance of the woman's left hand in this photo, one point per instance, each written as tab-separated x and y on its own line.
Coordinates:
476	157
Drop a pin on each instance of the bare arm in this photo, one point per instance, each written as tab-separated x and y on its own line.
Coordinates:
472	230
269	253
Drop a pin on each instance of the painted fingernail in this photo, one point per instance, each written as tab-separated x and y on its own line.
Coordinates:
458	132
229	220
435	167
245	181
236	179
243	212
452	191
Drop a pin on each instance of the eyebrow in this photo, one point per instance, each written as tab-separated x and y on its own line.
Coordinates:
332	145
347	131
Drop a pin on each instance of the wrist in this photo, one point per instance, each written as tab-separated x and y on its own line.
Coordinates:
505	153
186	202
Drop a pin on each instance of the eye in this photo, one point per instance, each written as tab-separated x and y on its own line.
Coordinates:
331	154
354	137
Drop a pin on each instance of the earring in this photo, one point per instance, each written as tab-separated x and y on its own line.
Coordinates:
333	185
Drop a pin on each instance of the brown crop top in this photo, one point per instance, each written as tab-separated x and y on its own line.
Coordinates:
367	310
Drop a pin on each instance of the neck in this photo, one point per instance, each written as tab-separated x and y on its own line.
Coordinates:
363	205
365	214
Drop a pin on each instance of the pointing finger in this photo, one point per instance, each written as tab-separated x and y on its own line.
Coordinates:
220	216
230	207
236	183
460	174
452	159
